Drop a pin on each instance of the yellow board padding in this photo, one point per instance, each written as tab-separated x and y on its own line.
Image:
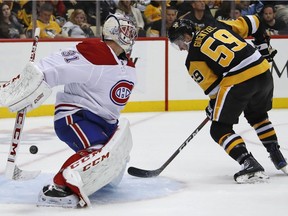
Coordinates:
44	110
280	103
48	110
143	106
187	105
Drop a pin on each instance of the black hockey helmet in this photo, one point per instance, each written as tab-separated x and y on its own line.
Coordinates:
179	28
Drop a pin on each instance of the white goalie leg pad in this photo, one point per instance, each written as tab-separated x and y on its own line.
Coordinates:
74	178
26	89
102	167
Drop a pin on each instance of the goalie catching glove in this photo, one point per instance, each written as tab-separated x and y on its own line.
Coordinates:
28	89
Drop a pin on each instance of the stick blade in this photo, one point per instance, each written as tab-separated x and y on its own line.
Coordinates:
143	173
13	172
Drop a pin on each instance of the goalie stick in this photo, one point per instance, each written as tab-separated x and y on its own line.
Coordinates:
152	173
12	170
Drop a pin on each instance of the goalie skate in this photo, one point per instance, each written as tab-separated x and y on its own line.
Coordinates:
252	172
53	196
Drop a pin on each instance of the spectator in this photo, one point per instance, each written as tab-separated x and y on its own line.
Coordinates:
9	24
236	13
250	9
77	26
156	27
184	8
272	25
282	13
71	4
107	7
223	12
126	7
48	28
227	12
25	12
152	12
14	6
279	7
61	20
199	14
59	7
141	5
213	5
174	3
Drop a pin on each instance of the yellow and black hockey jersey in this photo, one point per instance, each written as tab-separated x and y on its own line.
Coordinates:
219	56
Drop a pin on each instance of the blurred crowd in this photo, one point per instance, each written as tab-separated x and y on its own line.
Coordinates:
77	19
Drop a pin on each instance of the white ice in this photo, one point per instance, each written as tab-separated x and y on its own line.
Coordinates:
198	182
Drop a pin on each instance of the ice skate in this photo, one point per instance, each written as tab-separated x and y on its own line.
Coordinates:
278	160
252	172
53	196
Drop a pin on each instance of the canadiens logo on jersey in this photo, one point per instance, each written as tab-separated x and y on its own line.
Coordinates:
121	92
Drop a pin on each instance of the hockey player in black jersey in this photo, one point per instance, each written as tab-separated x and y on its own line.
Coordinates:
238	80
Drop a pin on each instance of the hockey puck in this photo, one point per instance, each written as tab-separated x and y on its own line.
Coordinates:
33	149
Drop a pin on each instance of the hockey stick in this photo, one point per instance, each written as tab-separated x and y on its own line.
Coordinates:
12	170
152	173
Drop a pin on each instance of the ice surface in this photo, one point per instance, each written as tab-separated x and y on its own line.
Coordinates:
199	181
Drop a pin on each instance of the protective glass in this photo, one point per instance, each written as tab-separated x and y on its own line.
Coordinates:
180	44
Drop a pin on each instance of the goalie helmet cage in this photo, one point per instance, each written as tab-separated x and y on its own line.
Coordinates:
12	171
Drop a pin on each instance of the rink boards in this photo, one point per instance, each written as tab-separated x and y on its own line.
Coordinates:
163	81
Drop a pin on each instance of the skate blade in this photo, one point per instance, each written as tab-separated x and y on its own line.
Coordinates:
284	170
41	204
253	178
44	201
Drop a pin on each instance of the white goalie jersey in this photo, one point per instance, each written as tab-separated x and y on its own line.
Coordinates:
94	78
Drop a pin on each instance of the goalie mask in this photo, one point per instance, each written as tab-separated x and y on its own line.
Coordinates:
121	29
177	31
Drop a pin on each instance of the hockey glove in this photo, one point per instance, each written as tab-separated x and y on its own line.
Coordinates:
265	50
28	89
210	108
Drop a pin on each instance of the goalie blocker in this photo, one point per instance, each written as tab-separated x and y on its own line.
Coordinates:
28	89
89	170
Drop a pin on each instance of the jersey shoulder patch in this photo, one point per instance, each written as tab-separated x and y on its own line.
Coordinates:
96	52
